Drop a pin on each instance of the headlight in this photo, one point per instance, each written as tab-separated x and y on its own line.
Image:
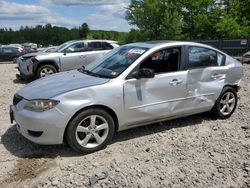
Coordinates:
40	105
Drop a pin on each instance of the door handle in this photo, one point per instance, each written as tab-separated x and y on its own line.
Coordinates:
216	76
82	56
175	82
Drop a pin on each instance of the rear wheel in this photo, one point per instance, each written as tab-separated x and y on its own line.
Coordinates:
90	130
226	103
45	70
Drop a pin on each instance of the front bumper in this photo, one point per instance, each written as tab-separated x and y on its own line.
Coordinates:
43	128
25	67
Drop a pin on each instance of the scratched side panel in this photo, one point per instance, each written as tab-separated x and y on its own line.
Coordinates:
149	99
205	85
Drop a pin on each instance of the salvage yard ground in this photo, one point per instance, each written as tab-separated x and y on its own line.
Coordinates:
196	151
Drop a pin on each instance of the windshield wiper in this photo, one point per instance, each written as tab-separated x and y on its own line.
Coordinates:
83	70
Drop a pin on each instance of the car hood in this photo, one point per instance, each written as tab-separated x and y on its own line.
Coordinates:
29	55
59	83
46	56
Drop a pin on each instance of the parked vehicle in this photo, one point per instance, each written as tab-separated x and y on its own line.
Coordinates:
15	45
26	58
133	85
68	56
246	57
9	53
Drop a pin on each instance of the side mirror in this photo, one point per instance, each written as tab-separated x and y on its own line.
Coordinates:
144	73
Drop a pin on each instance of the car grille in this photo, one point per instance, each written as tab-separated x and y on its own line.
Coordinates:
17	99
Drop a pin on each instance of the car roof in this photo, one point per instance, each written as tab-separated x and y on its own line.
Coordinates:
12	47
94	40
152	44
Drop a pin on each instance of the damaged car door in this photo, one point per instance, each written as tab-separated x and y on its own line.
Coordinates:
206	76
73	57
150	99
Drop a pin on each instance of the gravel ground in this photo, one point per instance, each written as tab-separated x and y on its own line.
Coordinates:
196	151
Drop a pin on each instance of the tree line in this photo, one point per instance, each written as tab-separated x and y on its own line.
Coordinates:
153	20
54	35
189	19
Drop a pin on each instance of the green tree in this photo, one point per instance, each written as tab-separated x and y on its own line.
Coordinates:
199	18
228	27
189	19
157	19
234	21
84	30
244	10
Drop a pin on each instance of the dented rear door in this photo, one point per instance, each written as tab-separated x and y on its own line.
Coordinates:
205	85
206	76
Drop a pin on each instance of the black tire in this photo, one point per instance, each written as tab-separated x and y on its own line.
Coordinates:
51	68
72	137
218	107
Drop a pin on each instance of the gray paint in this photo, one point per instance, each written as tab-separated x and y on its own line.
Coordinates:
56	84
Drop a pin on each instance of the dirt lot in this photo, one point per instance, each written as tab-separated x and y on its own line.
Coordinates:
196	151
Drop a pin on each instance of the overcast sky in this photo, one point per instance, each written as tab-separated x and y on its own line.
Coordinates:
99	14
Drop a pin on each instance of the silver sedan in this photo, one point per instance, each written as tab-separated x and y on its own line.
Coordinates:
133	85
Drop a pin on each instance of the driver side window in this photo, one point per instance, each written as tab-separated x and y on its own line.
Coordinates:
166	60
77	47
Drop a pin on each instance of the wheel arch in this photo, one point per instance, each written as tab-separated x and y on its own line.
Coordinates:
41	63
236	87
107	109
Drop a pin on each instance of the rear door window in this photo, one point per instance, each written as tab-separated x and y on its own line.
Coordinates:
95	46
199	57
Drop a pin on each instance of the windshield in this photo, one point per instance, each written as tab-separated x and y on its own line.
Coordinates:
115	62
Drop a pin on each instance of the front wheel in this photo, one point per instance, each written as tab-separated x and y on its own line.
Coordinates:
90	131
45	70
226	103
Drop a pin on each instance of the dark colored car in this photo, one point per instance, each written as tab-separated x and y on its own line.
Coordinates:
10	53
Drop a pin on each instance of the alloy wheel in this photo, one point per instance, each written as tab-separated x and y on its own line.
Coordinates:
92	131
46	71
227	103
